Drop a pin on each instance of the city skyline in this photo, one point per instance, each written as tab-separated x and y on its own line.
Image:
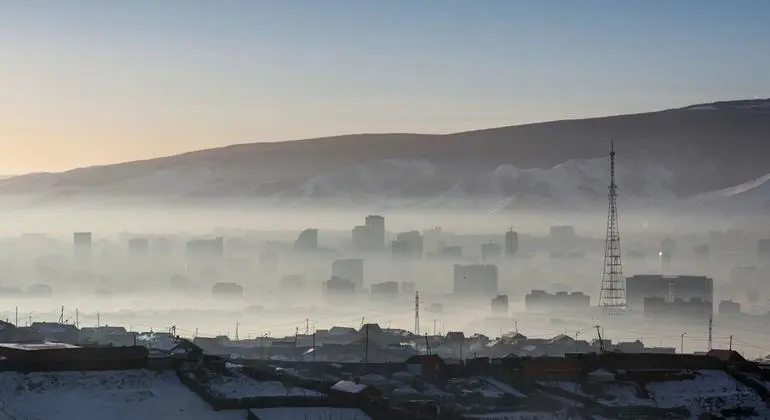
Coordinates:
88	83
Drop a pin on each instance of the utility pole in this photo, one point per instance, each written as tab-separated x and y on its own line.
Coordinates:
307	326
711	325
681	342
296	336
417	320
98	320
17	317
731	342
434	327
77	318
366	344
601	341
314	348
516	325
61	315
577	333
236	331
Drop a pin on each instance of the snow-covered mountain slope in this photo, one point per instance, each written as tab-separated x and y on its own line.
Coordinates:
577	183
664	155
752	195
572	184
761	106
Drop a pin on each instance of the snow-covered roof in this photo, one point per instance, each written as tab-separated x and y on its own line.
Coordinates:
601	374
349	387
402	375
45	345
560	339
405	390
372	379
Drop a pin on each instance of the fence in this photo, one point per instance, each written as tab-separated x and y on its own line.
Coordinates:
71	365
79	358
375	408
219	402
266	374
327	367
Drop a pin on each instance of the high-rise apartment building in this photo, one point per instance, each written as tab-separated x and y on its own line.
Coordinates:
511	243
82	245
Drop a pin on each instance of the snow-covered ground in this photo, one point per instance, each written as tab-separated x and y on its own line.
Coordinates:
486	388
507	389
113	395
311	413
243	387
613	394
709	392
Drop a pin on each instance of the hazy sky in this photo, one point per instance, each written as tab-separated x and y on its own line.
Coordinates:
101	81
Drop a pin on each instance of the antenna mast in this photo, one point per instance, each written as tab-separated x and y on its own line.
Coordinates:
613	292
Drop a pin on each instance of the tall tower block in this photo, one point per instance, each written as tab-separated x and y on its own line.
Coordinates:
511	243
612	297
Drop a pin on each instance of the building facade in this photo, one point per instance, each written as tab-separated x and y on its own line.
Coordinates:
475	279
350	269
668	288
511	243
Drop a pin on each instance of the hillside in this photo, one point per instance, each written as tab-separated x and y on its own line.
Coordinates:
679	152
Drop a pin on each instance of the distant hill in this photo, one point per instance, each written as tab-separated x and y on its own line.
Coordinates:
678	153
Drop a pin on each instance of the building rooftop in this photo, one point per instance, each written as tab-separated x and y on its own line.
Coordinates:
45	345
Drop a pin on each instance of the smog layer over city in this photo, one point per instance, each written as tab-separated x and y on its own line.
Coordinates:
336	198
277	265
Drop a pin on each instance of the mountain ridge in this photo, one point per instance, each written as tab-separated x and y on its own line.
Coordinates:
703	151
379	136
